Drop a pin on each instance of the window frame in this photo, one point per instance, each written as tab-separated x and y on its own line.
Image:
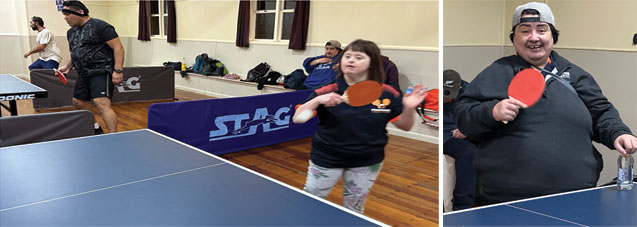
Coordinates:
278	11
162	16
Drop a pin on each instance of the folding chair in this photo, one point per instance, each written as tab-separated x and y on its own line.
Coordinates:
428	110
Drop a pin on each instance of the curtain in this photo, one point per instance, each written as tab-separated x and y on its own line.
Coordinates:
298	38
243	24
143	32
172	21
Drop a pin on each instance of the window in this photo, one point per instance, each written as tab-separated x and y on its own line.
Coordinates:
273	19
158	21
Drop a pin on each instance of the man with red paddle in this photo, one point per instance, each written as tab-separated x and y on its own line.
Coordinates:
97	55
545	148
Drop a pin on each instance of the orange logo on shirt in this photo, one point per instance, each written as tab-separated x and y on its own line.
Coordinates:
381	105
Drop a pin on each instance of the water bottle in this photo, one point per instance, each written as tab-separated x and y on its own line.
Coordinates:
625	172
410	89
183	65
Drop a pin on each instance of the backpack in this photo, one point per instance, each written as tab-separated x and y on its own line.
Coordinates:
295	80
280	80
209	67
221	68
199	60
257	72
270	79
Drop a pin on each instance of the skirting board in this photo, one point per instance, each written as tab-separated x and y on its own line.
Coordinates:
413	135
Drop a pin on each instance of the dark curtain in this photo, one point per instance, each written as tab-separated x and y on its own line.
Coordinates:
172	21
243	24
298	38
143	32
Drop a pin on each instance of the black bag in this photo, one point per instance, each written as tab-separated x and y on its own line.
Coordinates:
295	80
174	65
257	72
268	79
209	68
272	77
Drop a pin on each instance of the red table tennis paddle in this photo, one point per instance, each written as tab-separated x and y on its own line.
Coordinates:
362	93
61	76
359	94
527	87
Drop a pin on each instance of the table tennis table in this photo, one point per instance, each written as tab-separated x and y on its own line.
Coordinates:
142	177
13	88
601	206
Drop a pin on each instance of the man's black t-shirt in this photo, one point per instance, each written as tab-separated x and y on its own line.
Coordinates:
89	52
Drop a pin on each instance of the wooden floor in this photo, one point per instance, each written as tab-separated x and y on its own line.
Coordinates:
405	193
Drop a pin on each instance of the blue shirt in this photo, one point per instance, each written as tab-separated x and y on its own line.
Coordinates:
319	74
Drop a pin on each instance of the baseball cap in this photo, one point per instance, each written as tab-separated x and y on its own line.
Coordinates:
451	83
334	43
545	14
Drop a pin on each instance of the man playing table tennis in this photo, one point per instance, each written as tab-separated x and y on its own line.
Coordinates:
546	148
98	56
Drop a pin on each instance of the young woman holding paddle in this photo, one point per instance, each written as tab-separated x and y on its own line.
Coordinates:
350	138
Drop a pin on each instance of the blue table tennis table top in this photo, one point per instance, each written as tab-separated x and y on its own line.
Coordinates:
601	206
144	178
11	85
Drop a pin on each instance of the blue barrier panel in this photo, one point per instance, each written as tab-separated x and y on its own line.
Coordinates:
226	125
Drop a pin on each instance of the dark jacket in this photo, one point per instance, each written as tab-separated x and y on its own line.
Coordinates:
391	73
449	122
548	147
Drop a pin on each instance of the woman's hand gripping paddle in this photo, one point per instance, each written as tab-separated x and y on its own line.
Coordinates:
527	87
359	94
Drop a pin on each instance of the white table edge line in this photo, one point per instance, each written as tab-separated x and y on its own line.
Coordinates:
529	199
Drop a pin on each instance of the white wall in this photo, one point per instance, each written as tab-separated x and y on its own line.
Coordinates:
13	40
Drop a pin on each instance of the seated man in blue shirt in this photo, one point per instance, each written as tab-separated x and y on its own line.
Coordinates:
320	68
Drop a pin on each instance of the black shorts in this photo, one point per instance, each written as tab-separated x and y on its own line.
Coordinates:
88	87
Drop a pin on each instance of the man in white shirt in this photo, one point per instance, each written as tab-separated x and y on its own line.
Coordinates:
49	52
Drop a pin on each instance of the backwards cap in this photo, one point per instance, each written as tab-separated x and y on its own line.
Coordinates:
545	14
